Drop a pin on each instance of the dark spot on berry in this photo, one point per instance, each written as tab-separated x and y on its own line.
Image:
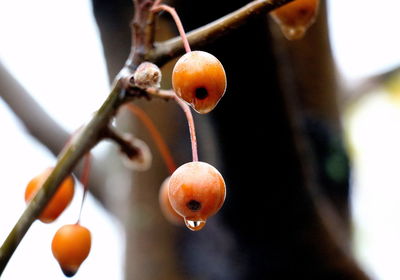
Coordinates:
201	93
193	205
304	12
68	272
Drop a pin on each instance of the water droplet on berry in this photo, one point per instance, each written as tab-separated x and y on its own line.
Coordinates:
195	225
294	33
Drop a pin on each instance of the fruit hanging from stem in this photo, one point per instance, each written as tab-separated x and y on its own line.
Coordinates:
196	191
199	79
70	246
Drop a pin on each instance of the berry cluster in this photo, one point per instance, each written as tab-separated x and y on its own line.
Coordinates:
71	243
196	190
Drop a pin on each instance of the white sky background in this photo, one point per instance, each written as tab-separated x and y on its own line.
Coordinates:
365	38
52	47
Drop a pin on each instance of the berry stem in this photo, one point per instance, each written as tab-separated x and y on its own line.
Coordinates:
157	3
126	147
192	130
85	181
155	134
165	94
162	7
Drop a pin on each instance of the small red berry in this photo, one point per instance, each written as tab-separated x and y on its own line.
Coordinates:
165	205
70	246
58	202
199	79
296	17
196	191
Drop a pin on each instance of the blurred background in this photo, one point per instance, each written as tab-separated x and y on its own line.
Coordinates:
54	50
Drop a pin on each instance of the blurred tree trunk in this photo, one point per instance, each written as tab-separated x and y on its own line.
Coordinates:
276	138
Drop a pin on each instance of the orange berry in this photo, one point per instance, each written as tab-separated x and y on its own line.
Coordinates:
165	205
58	202
196	192
296	17
199	79
71	246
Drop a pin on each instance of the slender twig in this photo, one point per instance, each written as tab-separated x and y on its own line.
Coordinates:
126	146
133	92
166	50
161	93
142	26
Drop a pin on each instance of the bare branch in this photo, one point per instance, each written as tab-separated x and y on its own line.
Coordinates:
169	49
125	146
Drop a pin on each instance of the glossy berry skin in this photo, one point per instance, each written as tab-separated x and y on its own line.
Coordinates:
196	191
58	202
70	246
199	79
296	17
165	205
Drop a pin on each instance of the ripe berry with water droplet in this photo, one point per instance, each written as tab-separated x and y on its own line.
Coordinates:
196	191
199	79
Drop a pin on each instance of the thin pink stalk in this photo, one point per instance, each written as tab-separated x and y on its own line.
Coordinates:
157	3
162	7
186	109
155	134
192	130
